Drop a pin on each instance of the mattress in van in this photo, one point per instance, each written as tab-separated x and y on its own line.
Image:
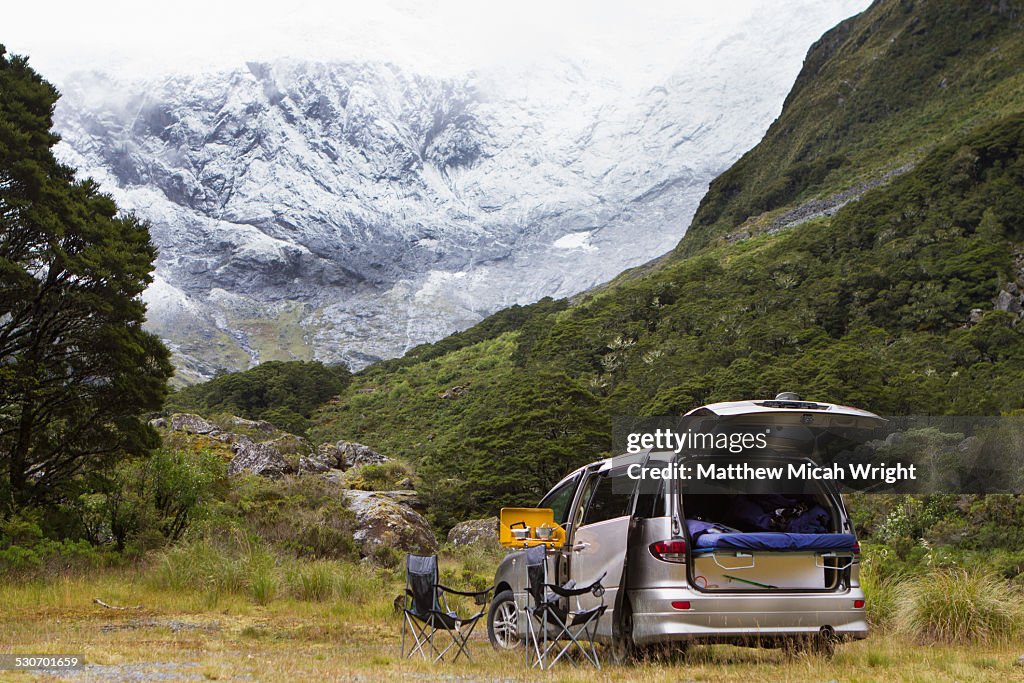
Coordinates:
773	540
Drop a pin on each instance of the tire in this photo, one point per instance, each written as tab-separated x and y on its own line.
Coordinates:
503	622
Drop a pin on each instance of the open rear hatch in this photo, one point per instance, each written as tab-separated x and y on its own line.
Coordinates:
756	535
760	540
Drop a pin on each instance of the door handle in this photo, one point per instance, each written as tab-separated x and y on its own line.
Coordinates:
582	545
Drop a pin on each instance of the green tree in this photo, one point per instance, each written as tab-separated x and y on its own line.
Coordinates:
513	446
283	392
76	368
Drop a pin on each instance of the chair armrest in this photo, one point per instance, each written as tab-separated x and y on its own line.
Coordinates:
596	588
567	592
479	597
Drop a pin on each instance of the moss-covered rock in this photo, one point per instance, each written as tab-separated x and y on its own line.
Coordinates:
381	522
473	531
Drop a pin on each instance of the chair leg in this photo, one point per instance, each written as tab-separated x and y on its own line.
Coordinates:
419	635
453	636
464	642
533	639
461	644
588	629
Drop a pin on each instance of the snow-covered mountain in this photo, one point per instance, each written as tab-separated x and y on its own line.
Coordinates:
348	211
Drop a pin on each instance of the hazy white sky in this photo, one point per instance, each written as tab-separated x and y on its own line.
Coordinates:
629	39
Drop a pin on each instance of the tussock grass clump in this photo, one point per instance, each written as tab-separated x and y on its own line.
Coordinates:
957	606
199	565
240	568
882	595
314	581
355	585
250	569
263	583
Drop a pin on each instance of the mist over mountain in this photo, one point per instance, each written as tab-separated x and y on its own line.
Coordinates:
347	211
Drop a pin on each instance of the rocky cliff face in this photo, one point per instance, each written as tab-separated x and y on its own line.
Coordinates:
349	211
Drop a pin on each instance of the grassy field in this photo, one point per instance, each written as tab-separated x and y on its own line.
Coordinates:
167	634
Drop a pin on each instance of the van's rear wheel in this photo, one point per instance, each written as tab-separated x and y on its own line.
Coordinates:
503	622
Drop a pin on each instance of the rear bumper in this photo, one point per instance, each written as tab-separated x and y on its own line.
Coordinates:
743	617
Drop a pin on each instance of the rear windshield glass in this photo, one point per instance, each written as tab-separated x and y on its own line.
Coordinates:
756	506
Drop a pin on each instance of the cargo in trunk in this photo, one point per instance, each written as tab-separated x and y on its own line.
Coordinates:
766	542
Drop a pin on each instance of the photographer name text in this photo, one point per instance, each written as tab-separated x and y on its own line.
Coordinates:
890	474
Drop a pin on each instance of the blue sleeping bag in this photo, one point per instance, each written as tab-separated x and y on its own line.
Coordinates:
710	536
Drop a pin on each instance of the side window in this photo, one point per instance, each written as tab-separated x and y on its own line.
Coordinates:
611	497
560	499
650	500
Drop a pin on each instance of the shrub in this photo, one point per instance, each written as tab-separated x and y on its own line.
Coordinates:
959	605
303	516
386	556
382	477
17	561
25	553
145	499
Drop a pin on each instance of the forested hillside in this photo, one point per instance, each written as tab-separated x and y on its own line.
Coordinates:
900	295
875	94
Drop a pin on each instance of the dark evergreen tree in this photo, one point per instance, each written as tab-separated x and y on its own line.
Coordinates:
76	368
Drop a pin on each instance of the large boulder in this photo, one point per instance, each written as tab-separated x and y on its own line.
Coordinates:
192	424
327	457
475	531
253	425
355	454
262	458
383	522
314	464
406	497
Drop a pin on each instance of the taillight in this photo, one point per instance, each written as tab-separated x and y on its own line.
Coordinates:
856	546
858	604
681	604
673	550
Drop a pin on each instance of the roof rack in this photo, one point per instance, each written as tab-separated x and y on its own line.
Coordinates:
791	405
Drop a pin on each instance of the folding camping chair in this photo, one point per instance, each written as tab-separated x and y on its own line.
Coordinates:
427	611
551	621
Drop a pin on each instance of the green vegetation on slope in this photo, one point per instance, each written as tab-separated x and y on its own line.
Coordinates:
871	307
876	92
482	432
283	392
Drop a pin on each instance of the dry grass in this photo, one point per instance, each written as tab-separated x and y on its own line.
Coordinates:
354	636
959	605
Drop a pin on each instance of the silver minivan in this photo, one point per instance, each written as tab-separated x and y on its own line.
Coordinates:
754	567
